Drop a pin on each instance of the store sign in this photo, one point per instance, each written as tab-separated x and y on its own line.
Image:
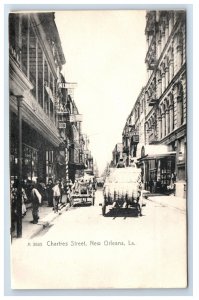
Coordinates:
62	125
135	138
75	118
67	85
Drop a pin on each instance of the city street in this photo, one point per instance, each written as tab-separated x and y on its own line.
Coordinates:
85	249
94	103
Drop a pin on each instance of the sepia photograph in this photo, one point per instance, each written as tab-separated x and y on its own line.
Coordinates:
98	149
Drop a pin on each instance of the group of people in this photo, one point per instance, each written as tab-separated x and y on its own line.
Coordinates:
35	193
38	192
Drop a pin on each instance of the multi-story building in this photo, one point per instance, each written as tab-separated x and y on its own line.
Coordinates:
133	135
117	154
35	62
159	114
165	94
70	130
87	156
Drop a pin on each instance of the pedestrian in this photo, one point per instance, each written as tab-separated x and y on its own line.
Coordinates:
49	192
56	196
76	187
69	190
24	201
41	187
13	198
61	187
70	184
36	201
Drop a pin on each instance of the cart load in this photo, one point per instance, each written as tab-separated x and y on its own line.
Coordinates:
123	187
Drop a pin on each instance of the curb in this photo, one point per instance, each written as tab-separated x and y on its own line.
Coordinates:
167	205
45	222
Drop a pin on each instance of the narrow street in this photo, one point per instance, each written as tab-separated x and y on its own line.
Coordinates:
98	100
80	244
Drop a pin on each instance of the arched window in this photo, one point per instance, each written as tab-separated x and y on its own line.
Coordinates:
180	106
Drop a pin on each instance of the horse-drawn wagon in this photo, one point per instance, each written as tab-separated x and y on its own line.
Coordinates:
82	192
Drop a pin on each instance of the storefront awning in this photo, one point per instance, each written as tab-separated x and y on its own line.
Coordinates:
149	152
77	166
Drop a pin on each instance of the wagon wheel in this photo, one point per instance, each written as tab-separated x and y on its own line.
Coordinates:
71	201
139	210
103	209
93	200
140	203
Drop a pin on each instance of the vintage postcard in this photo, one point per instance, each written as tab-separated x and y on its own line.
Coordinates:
98	155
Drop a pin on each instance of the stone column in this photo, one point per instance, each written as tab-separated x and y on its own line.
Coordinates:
163	82
159	128
166	76
171	70
163	125
167	32
163	39
179	111
147	133
170	22
167	125
159	86
171	117
159	47
179	56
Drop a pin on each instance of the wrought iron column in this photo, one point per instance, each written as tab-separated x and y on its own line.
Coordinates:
19	189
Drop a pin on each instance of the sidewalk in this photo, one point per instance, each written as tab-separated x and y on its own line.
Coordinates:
46	217
169	201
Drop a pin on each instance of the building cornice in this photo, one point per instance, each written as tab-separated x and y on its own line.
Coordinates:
36	118
174	135
18	81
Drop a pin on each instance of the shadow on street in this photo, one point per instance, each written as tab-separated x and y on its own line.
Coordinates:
82	204
122	212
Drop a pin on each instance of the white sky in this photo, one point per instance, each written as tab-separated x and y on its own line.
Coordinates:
105	52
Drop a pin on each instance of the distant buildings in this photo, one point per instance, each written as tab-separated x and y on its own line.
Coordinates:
155	130
117	154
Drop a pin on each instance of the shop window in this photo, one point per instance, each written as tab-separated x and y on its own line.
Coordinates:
181	150
30	162
49	164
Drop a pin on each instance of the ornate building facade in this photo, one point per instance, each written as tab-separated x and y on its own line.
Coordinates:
159	114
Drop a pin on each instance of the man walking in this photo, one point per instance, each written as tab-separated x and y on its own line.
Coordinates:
56	195
36	200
